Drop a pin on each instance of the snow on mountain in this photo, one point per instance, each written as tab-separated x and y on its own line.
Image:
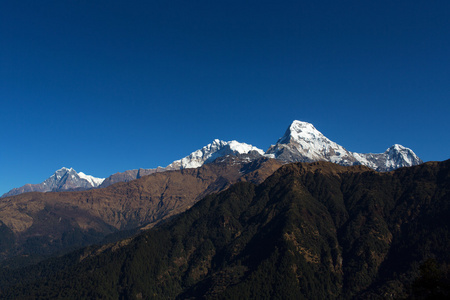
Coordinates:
393	158
62	180
94	181
65	179
398	156
214	150
302	142
196	159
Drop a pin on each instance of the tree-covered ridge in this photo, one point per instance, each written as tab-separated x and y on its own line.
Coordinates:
310	231
38	225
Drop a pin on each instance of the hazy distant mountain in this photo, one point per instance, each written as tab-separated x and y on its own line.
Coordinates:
63	179
129	175
302	142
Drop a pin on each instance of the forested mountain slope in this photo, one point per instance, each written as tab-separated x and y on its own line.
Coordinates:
309	231
39	224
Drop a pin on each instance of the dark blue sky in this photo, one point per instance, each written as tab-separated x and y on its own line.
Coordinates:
106	86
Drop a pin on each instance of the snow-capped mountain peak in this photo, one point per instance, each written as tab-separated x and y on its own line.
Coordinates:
299	130
398	156
243	148
94	181
308	138
302	142
212	151
62	172
68	178
63	179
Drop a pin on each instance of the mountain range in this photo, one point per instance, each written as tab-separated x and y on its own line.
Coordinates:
302	142
35	225
309	231
232	221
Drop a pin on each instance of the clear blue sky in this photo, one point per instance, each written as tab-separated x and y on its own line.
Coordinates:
107	86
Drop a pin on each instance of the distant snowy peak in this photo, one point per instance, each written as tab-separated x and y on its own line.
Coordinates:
302	142
398	156
299	131
207	154
72	179
306	138
63	179
393	158
94	181
214	150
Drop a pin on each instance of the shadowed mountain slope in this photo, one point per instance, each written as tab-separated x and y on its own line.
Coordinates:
42	223
309	231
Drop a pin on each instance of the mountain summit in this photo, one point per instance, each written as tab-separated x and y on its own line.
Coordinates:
213	151
196	159
302	142
64	179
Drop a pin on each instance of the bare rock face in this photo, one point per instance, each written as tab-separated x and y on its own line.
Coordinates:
120	177
130	175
